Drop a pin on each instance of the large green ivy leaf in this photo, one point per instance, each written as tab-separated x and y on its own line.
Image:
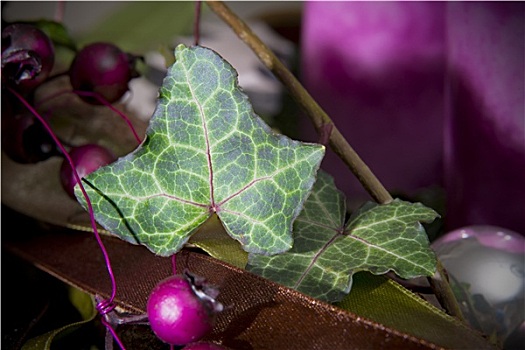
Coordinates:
205	152
327	251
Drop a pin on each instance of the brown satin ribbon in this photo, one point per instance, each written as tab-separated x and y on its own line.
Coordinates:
259	314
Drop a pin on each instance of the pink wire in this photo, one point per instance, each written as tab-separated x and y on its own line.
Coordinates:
104	306
110	106
99	99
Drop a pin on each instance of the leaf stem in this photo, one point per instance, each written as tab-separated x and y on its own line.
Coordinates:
337	141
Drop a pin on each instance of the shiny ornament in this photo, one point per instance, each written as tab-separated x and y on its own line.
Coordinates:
486	267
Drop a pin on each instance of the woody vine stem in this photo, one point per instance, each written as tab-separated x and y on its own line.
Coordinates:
329	132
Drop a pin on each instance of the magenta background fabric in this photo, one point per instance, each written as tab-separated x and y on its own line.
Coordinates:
429	94
377	69
485	119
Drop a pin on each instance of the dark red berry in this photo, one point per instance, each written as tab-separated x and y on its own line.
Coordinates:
28	56
102	68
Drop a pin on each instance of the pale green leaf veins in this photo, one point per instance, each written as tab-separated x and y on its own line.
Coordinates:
327	251
205	152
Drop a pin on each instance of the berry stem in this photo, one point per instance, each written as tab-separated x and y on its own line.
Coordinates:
110	106
101	100
59	11
113	333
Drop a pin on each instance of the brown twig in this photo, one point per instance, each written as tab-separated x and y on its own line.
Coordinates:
318	116
443	292
337	141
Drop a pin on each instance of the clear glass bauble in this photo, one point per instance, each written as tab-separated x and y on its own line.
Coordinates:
486	267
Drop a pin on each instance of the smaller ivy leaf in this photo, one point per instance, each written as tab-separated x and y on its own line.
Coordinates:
309	267
394	238
326	252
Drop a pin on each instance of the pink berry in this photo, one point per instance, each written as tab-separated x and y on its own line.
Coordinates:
181	311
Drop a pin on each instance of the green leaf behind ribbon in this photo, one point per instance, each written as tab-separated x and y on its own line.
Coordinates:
83	302
385	301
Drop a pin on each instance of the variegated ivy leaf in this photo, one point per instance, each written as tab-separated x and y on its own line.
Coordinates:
327	251
205	152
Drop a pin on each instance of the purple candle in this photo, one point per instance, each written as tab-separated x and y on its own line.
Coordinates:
485	118
429	94
377	69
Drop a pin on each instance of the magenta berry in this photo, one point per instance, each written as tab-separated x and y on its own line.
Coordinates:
181	310
87	158
102	68
28	56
